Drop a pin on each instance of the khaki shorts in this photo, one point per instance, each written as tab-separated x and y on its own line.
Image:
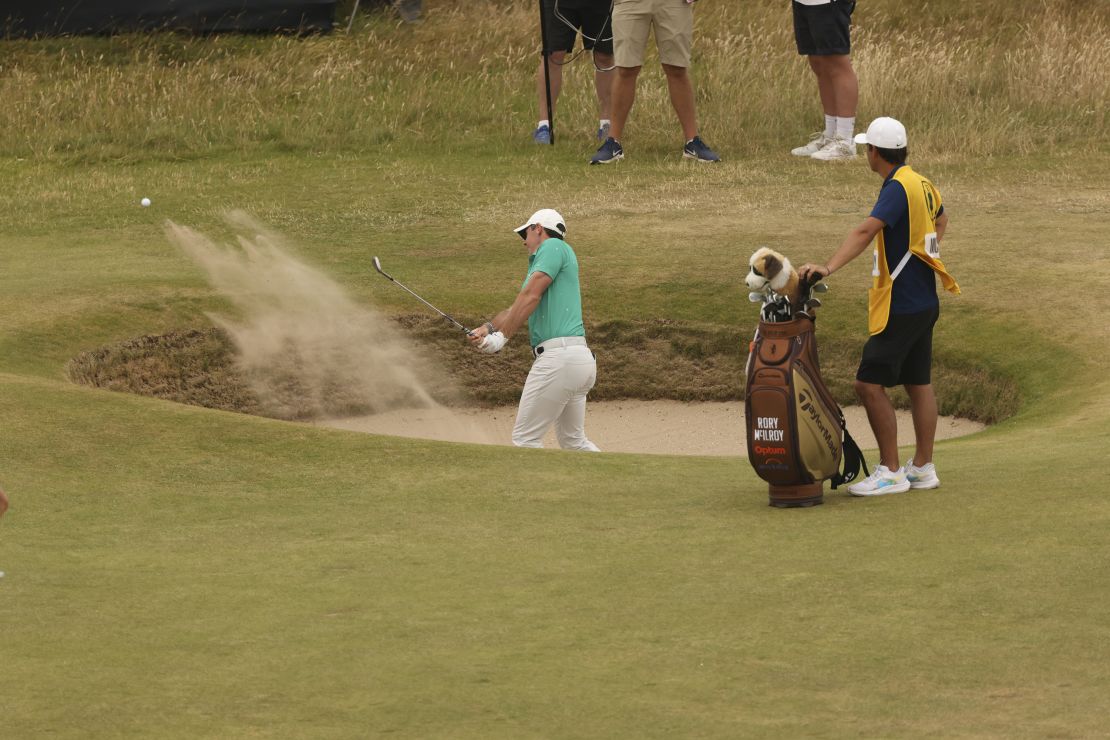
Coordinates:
674	31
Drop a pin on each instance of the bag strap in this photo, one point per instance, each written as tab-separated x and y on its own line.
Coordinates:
851	458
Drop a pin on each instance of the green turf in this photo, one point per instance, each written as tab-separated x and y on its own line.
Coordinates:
177	571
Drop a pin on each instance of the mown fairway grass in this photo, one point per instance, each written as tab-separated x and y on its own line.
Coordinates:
177	571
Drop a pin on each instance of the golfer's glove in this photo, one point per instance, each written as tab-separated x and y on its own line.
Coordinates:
492	343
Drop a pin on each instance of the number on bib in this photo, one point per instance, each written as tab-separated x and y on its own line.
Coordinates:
932	245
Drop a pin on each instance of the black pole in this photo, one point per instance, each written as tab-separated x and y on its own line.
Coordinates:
547	72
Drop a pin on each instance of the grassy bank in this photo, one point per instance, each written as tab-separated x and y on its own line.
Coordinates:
991	79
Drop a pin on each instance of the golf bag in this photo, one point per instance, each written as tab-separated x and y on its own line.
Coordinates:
796	434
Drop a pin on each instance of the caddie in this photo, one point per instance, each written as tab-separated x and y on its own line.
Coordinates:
564	370
907	225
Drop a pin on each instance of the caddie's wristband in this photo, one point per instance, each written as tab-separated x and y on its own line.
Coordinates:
489	327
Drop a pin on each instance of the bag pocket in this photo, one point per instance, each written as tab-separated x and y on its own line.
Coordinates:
818	427
770	431
878	308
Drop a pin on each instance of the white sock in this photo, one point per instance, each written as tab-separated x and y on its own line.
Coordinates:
543	123
830	126
604	122
845	128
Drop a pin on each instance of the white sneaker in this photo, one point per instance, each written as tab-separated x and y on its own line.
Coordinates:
923	477
815	144
836	149
881	482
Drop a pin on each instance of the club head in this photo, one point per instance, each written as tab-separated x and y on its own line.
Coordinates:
821	288
377	265
813	278
755	297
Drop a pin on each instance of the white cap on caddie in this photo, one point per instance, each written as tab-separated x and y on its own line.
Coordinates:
545	217
885	133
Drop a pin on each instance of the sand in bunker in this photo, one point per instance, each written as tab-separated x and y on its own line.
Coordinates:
654	427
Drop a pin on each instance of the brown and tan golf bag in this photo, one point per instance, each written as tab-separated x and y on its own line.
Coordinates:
797	438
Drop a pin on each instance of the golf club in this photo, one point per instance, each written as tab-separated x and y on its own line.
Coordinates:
378	266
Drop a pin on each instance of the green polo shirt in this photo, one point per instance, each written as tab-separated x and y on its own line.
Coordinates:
560	311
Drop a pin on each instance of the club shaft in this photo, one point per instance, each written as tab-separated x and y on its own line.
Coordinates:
441	313
546	56
414	294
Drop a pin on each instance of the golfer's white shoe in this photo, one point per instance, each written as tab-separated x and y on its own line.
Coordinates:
815	145
835	149
923	477
881	482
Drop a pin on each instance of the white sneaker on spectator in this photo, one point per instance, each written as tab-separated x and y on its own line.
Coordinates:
836	149
815	144
881	482
923	477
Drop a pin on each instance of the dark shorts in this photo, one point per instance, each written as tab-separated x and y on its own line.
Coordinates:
902	353
591	17
823	30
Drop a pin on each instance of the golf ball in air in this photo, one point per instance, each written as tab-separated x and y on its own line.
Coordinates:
145	202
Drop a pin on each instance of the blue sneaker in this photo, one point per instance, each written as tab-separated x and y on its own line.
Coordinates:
609	152
542	135
603	132
696	149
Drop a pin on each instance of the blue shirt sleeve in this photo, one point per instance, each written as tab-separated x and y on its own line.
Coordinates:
550	258
892	205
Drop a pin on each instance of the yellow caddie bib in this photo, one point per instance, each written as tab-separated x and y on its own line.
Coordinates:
924	206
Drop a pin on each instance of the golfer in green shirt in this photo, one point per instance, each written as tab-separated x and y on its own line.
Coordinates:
564	370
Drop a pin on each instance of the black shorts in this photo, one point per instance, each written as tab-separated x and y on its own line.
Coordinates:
902	353
591	17
823	30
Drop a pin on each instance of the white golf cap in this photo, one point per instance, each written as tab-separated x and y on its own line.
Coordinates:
885	133
547	218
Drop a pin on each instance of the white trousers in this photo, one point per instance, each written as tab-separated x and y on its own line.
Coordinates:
555	393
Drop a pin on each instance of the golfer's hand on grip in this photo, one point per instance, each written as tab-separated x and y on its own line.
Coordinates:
807	270
479	333
492	343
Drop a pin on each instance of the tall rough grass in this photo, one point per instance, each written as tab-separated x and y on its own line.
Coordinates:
993	77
